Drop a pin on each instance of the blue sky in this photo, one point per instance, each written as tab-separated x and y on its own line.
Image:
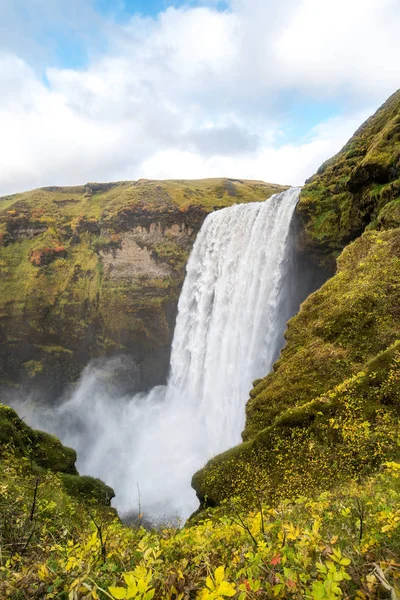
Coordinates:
70	47
123	9
122	89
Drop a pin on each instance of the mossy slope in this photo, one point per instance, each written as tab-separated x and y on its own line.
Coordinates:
358	188
341	435
96	270
38	453
329	411
353	317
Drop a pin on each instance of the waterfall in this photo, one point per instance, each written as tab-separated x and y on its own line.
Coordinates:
229	331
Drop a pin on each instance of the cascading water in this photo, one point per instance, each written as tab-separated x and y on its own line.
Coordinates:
228	332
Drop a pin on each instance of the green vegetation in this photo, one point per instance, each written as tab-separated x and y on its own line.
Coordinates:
45	449
358	188
343	544
339	328
92	202
69	274
44	452
342	435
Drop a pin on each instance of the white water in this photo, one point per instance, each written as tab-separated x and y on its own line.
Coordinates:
228	332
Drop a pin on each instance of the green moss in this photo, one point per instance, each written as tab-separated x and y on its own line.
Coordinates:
13	431
33	367
351	190
389	216
88	489
344	434
54	349
44	453
352	318
44	449
49	453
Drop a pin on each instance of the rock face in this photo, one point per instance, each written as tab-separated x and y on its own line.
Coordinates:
357	189
329	411
96	271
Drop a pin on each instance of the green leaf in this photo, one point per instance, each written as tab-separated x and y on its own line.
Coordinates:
209	583
130	578
277	588
226	589
219	575
117	592
132	591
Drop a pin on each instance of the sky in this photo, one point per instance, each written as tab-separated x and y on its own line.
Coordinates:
109	90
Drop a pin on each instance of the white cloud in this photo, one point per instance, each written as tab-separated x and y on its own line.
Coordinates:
290	164
194	92
349	45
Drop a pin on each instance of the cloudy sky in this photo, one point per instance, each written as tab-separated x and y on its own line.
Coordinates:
102	90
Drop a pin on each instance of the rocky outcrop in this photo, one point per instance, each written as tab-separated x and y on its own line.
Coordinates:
45	452
96	271
357	189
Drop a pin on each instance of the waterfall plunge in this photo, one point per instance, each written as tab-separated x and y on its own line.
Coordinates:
231	316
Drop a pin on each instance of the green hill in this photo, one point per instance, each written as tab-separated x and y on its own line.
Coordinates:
357	189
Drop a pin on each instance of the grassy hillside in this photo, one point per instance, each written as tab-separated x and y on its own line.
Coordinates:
96	270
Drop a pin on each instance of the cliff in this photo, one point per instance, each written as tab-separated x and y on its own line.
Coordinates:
357	189
329	411
96	271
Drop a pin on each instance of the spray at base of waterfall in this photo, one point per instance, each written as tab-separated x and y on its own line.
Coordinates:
242	285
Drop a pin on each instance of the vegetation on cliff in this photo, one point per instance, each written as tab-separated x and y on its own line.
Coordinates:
40	455
96	270
329	412
358	188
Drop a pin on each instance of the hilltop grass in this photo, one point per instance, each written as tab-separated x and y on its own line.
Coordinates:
95	201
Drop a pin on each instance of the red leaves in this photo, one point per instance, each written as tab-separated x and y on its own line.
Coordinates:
46	255
275	560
